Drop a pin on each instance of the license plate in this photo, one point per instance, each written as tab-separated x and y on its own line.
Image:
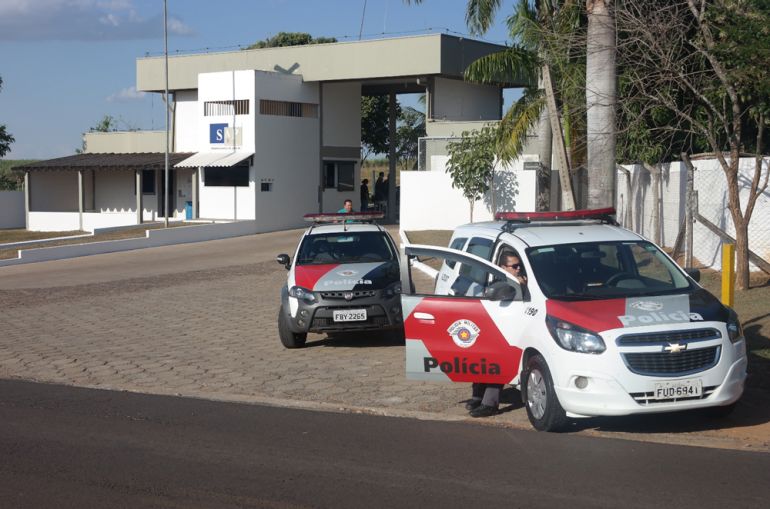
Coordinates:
349	315
679	389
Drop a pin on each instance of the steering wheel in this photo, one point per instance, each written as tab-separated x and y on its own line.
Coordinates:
620	276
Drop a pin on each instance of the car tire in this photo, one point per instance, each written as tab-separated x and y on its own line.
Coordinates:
539	397
288	338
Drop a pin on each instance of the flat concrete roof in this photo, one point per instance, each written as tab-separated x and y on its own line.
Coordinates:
381	59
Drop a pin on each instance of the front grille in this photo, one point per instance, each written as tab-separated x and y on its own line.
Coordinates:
672	364
648	398
371	321
680	336
356	295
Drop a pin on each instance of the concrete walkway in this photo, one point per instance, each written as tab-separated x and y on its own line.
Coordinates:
199	320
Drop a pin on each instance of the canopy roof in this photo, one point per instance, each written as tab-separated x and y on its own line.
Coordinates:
139	161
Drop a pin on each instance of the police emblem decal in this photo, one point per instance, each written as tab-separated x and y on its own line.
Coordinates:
347	273
464	333
646	305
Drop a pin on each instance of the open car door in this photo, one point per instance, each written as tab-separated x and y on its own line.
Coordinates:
463	330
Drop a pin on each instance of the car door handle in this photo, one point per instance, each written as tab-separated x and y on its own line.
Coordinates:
423	316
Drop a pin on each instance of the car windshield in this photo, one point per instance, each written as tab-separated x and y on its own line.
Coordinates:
345	247
605	270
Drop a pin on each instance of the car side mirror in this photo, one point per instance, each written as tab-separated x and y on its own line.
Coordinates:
500	290
693	273
284	260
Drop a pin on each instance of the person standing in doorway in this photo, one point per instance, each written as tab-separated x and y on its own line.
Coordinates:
380	191
364	195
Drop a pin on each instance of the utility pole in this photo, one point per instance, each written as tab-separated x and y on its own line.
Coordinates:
165	57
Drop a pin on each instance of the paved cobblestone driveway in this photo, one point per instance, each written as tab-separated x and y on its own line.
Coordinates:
207	333
212	333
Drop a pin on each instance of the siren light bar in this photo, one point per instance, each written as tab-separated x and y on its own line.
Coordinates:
334	217
561	215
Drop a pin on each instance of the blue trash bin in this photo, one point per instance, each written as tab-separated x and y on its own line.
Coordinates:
188	210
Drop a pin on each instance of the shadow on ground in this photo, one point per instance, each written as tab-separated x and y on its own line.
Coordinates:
359	339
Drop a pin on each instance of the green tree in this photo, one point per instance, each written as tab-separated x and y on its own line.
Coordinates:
106	124
290	39
411	128
471	163
374	124
5	137
704	62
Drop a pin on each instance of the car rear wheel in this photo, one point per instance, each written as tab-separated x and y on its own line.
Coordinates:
543	408
288	338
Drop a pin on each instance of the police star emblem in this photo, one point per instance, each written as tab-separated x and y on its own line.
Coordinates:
464	333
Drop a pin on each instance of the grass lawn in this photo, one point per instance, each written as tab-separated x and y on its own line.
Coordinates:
753	307
129	233
21	235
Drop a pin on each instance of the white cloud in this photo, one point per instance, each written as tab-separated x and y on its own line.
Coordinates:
127	94
83	20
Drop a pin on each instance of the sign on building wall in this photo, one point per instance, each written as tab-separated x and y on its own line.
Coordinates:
222	134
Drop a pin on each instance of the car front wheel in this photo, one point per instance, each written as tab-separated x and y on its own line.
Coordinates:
543	408
288	338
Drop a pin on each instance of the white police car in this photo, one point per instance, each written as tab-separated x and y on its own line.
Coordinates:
344	277
607	324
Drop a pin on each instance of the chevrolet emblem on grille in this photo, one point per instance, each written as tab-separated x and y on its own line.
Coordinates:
348	295
675	347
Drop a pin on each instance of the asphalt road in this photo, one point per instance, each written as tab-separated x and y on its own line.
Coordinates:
70	447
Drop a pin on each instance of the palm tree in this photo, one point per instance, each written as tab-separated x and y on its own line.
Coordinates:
601	99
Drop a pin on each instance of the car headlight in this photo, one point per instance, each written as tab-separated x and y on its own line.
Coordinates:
392	290
734	329
302	294
574	338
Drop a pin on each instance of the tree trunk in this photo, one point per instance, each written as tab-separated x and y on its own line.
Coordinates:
567	195
470	203
545	154
742	272
601	96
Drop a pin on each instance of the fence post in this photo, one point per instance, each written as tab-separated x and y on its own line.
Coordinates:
728	274
689	216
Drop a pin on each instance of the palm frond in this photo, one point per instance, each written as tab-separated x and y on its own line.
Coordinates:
480	14
518	123
514	64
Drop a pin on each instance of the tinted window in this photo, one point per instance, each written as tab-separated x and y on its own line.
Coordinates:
605	270
457	244
345	247
237	176
480	247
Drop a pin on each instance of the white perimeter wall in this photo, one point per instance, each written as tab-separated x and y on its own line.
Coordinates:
460	100
711	186
429	202
12	209
187	116
342	128
287	154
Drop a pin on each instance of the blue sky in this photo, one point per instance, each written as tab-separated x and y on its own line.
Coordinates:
67	63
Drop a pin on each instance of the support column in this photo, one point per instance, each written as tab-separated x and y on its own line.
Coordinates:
80	200
195	177
139	198
392	157
26	199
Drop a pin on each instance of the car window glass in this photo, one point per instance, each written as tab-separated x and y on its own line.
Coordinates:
345	247
594	270
482	248
458	285
458	244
